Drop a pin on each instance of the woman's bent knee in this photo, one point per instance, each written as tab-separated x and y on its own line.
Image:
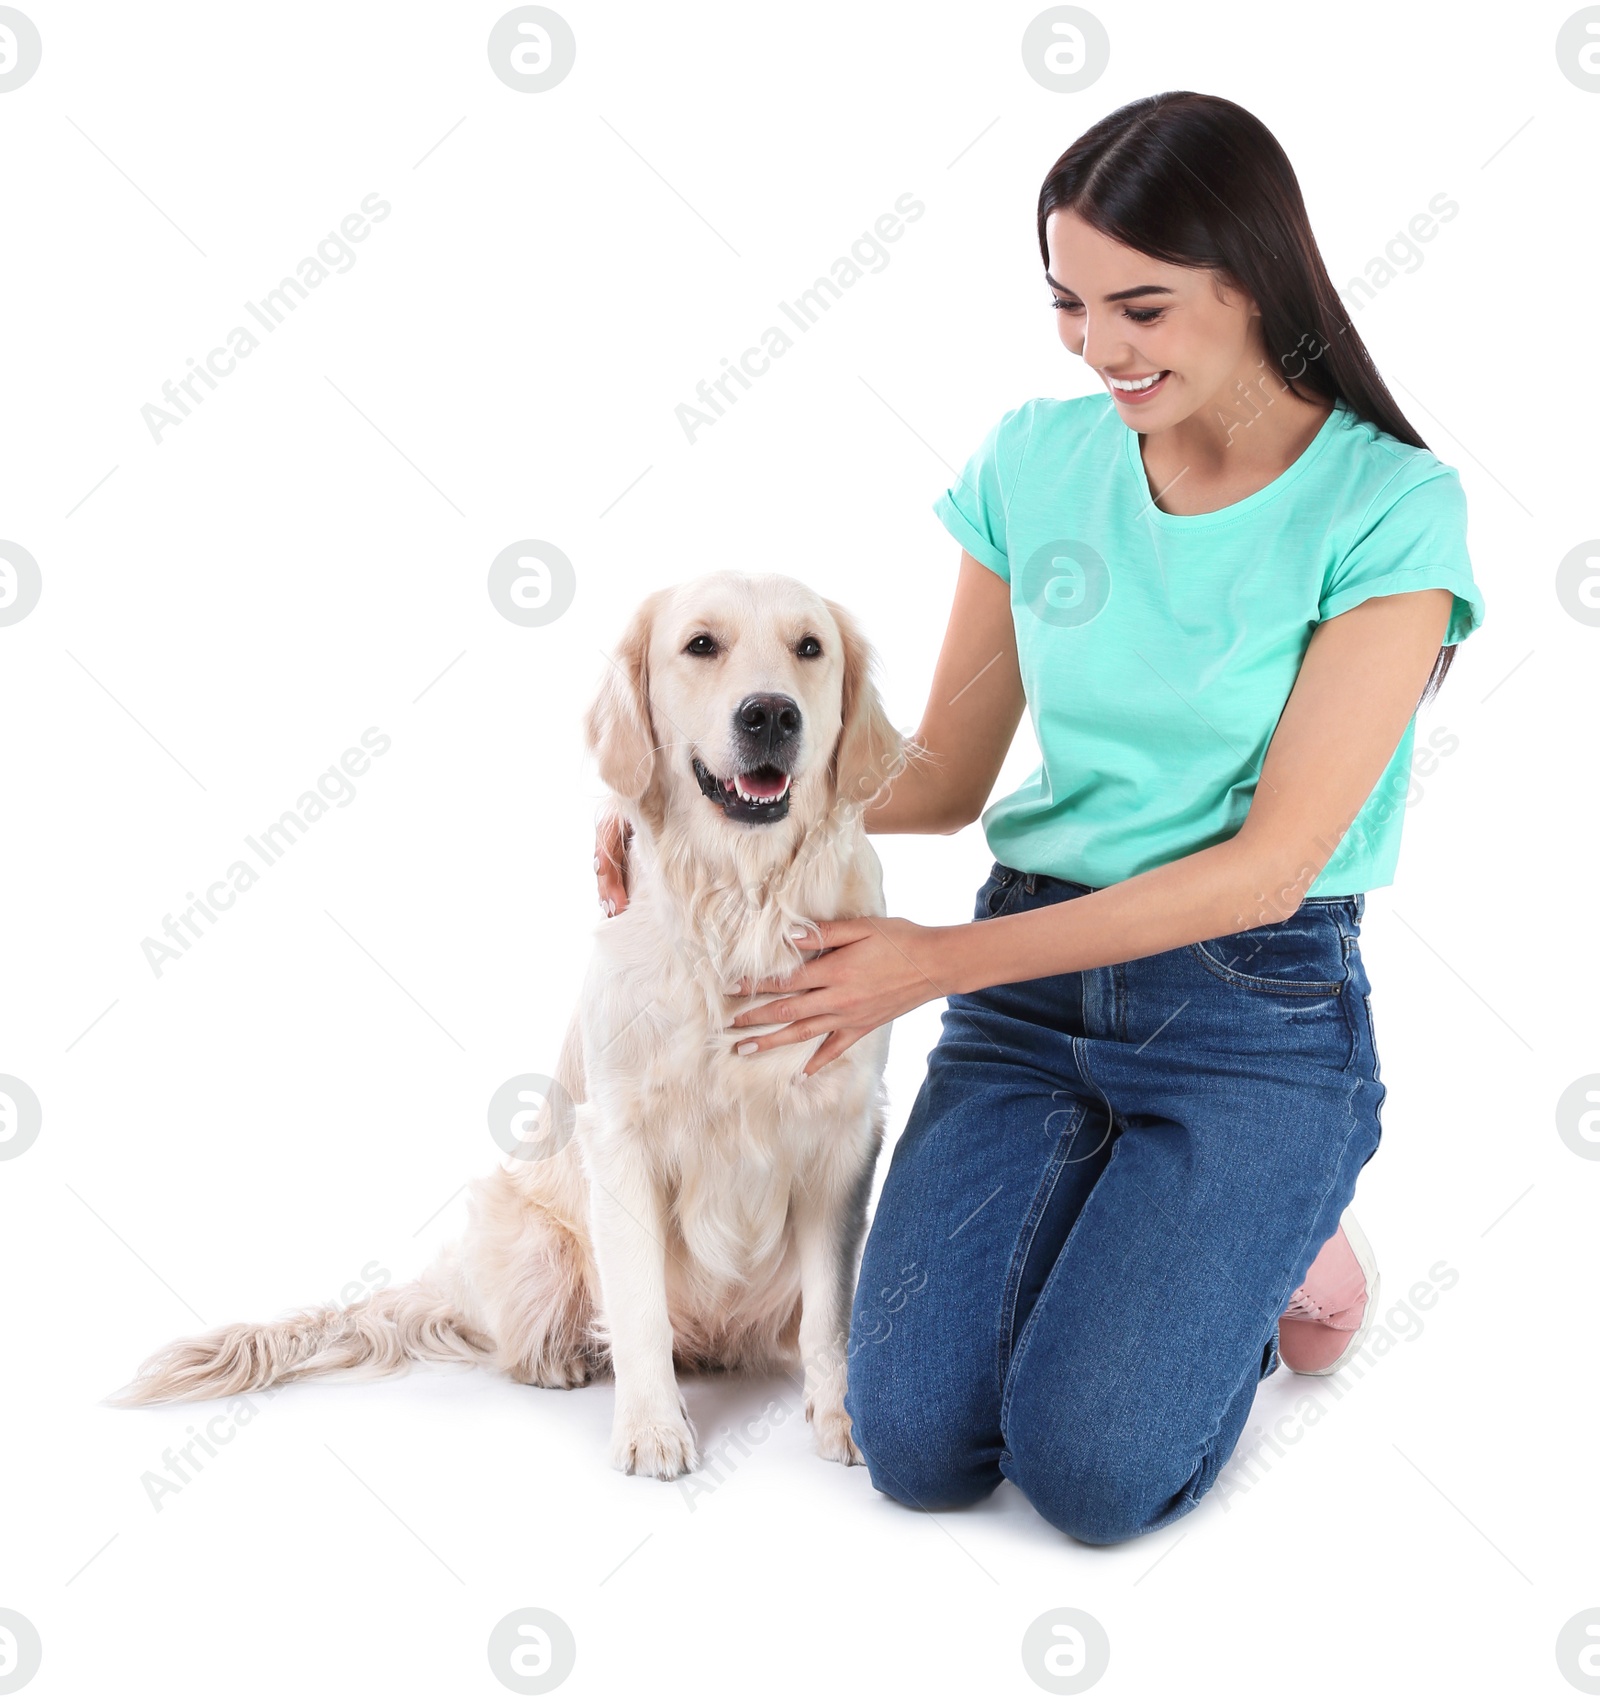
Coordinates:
1099	1493
911	1459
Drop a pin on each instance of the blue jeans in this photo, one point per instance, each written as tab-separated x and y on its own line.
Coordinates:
1109	1187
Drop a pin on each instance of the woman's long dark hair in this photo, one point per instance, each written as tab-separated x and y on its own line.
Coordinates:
1197	181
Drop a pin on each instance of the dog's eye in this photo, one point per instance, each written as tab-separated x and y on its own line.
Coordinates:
702	644
809	646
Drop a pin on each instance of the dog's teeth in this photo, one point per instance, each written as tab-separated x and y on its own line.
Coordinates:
733	785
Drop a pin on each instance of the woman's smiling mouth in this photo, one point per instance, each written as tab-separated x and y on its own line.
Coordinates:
1136	389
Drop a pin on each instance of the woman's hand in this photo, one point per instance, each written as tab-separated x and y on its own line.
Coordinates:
871	970
612	833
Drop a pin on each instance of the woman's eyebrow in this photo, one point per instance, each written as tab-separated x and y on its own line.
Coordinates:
1116	295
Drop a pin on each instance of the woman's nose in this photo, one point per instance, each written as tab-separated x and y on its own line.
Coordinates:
1099	344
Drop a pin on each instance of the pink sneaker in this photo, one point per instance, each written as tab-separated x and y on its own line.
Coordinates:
1330	1313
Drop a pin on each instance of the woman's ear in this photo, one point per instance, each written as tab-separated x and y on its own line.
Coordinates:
618	727
870	750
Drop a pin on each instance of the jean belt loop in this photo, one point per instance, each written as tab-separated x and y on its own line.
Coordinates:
1029	882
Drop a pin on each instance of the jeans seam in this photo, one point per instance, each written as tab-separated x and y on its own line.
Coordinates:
1025	1236
1264	983
1210	1465
1028	1331
1309	1251
1081	1059
1346	997
1014	1347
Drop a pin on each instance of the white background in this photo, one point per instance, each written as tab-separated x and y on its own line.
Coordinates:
306	556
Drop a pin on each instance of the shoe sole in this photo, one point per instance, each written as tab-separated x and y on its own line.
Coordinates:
1367	1259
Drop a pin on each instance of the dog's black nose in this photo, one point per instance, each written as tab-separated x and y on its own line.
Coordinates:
767	722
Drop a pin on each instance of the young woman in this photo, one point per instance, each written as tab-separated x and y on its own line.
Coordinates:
1220	587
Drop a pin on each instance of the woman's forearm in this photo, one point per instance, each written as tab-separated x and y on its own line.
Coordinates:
920	799
1220	890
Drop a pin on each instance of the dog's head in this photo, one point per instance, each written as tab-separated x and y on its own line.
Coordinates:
742	699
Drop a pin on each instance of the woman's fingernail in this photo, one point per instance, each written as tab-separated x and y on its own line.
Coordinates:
798	933
597	863
734	989
748	1047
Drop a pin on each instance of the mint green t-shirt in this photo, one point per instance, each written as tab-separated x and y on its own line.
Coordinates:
1158	650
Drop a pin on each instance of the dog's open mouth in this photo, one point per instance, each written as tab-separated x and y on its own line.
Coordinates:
758	795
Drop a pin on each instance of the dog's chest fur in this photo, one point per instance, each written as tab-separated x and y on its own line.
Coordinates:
728	1137
664	1043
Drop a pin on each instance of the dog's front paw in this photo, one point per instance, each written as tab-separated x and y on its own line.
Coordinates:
654	1447
830	1435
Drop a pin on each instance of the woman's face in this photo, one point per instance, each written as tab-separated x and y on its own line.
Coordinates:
1131	318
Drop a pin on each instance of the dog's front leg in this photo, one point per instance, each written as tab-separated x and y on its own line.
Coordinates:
650	1430
828	1236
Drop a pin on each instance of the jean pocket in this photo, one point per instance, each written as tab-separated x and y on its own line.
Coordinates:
996	892
1301	957
1006	897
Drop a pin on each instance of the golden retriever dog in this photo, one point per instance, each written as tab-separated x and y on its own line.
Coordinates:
683	1207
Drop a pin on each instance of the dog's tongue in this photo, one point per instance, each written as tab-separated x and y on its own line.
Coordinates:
763	785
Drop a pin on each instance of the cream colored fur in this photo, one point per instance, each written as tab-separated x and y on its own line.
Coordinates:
694	1209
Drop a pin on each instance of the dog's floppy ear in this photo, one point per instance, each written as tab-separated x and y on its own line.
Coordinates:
618	726
870	750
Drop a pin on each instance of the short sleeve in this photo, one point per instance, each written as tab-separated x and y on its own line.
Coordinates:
974	508
1415	542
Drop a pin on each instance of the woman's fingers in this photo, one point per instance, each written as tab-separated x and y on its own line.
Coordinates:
793	1009
811	975
836	1039
611	861
803	992
840	1041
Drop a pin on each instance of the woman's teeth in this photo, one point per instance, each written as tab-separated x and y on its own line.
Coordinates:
1137	383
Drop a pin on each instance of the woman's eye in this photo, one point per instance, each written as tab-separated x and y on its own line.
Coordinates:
808	646
702	644
1139	315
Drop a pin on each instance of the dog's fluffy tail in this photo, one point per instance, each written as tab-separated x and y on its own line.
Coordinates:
376	1337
